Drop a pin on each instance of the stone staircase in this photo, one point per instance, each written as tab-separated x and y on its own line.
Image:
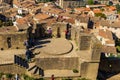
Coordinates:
35	71
31	68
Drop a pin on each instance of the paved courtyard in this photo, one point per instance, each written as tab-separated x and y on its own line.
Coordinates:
47	48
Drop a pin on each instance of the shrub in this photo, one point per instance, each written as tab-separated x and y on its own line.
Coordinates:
9	75
67	79
26	77
118	48
1	74
75	71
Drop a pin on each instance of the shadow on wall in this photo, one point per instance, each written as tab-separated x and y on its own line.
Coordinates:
108	67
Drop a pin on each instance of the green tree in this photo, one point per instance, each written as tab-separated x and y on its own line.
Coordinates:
9	75
1	74
100	15
118	48
90	2
118	8
110	3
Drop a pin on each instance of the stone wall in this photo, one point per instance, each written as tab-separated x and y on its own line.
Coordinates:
84	42
70	3
62	29
58	63
90	51
96	48
75	33
89	70
16	40
12	68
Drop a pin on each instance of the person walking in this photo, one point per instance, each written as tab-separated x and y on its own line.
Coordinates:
52	77
26	43
28	54
50	32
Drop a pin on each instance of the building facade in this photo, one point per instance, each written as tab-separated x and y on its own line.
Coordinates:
72	3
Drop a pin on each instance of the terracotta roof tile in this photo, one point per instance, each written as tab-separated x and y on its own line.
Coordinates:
41	16
106	34
109	49
105	23
115	24
110	42
97	11
72	21
21	21
112	8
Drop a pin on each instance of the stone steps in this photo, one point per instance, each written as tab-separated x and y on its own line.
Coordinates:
33	70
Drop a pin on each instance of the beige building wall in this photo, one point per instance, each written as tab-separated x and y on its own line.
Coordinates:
16	40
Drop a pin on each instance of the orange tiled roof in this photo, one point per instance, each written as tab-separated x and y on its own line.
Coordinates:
97	11
41	16
68	9
87	9
112	8
106	34
110	42
109	49
49	21
21	21
72	21
79	9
